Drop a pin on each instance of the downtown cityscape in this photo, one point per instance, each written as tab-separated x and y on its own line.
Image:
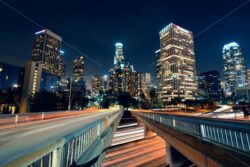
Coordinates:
159	92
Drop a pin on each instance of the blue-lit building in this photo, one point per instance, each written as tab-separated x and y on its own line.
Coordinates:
11	83
11	76
234	71
209	86
49	82
47	51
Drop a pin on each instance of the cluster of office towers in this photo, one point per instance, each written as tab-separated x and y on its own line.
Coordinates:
176	75
176	69
46	69
122	77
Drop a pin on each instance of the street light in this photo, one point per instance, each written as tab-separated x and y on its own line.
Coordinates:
70	93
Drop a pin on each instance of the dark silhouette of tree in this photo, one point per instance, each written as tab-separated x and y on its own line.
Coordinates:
152	94
175	101
62	100
142	96
125	99
44	101
105	102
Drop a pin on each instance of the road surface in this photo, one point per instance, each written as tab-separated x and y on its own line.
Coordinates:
150	152
28	137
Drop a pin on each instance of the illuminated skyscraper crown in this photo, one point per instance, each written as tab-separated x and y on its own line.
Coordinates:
230	45
119	57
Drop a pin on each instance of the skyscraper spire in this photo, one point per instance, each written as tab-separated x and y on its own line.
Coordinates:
119	57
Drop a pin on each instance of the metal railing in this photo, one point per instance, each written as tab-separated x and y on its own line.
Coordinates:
18	118
66	151
234	135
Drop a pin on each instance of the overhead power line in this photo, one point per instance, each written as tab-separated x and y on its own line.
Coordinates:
40	26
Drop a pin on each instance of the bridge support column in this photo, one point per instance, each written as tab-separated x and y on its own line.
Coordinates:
173	157
168	154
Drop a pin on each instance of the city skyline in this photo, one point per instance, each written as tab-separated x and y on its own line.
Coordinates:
99	46
124	83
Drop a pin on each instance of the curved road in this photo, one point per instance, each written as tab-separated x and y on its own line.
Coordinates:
30	136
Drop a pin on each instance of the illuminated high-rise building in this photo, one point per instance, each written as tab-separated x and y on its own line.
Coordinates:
175	64
46	50
31	84
119	57
78	69
145	84
61	66
96	81
99	83
234	70
122	75
209	86
248	76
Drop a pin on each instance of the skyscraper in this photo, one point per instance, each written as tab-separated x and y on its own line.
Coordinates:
122	74
145	84
98	84
11	84
31	84
248	76
119	57
78	69
11	76
209	86
234	70
175	64
46	50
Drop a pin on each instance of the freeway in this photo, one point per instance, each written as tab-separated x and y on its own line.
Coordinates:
30	136
150	151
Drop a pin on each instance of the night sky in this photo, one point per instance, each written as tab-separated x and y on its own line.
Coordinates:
95	26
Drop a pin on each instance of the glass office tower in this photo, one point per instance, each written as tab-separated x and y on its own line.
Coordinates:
175	65
234	70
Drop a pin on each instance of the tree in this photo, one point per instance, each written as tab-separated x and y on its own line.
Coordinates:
125	99
44	101
105	102
152	94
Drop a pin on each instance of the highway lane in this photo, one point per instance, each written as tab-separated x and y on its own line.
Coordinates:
147	152
18	141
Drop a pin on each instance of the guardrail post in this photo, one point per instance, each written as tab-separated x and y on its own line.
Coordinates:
173	122
42	116
16	119
202	131
56	157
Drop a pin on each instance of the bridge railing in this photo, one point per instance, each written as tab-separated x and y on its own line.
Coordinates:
17	118
66	151
234	135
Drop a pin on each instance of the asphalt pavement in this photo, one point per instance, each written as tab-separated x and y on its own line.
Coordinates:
30	136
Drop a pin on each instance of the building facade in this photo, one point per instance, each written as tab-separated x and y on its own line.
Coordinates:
119	57
11	76
234	70
31	84
122	74
11	84
97	82
78	69
145	85
175	65
248	76
209	86
46	50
